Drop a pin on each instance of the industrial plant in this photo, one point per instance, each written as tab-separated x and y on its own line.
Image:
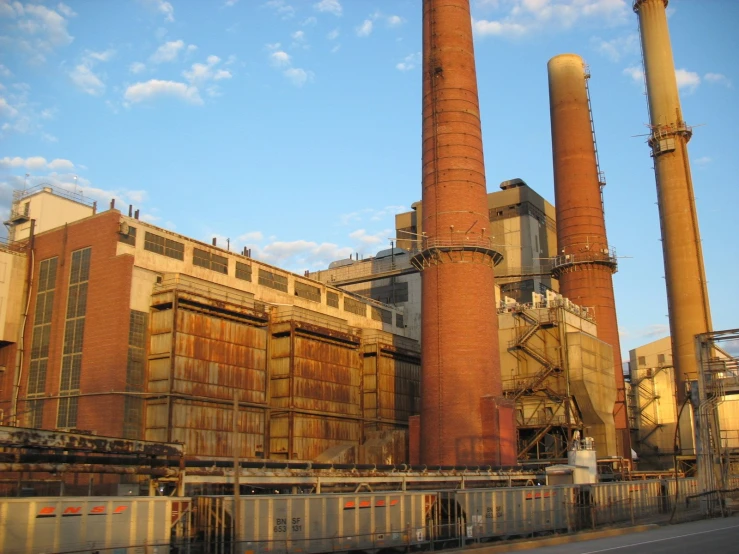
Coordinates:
463	385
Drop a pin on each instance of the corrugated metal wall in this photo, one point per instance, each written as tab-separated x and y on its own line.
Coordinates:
310	386
198	358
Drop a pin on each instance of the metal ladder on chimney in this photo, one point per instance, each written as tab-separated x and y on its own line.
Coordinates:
601	174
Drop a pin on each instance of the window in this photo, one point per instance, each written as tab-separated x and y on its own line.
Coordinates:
660	358
304	290
272	280
243	271
164	246
378	314
332	299
40	341
74	331
129	238
642	361
355	307
133	405
399	321
209	260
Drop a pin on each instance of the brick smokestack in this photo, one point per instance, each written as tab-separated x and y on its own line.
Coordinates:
687	293
464	420
585	263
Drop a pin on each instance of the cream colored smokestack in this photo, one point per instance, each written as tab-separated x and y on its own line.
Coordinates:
687	294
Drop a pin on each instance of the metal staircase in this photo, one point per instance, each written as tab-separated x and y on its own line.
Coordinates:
548	366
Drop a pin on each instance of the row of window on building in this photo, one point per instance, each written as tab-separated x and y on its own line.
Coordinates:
214	262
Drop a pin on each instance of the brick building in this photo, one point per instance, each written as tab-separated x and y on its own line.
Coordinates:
130	330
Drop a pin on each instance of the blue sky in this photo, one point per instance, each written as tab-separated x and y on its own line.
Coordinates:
293	127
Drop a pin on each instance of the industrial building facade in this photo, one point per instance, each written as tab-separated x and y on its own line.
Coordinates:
522	224
134	331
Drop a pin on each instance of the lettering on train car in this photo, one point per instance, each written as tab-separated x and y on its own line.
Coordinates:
351	505
489	514
535	495
72	511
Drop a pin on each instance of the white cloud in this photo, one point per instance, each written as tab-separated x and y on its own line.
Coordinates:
309	21
394	20
520	17
167	52
163	7
4	71
38	30
297	76
365	29
251	236
330	6
333	35
635	72
84	79
155	88
617	48
298	36
136	67
280	58
362	237
6	110
409	62
687	80
21	115
703	160
281	7
104	56
718	79
230	3
35	163
200	73
499	28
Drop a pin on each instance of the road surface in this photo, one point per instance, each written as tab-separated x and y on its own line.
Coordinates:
713	536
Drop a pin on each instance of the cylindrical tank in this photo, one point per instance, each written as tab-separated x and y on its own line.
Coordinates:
687	293
463	417
584	264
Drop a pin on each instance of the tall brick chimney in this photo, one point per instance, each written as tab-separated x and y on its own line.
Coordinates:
464	419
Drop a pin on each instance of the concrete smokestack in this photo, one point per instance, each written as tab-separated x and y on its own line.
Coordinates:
687	293
464	419
585	263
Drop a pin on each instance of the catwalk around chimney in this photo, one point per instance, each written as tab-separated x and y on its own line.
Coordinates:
687	293
585	263
464	419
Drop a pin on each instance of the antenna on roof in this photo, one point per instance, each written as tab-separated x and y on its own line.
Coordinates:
25	181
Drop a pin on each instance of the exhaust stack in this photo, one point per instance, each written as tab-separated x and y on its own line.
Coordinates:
464	419
687	292
585	263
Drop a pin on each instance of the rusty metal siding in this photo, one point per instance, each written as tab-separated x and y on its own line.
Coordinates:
399	384
213	358
206	429
311	435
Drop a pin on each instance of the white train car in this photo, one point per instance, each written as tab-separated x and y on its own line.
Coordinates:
123	525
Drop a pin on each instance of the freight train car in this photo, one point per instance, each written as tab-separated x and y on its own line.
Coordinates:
373	522
317	523
120	525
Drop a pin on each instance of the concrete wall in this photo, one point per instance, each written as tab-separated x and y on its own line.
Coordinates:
13	268
49	210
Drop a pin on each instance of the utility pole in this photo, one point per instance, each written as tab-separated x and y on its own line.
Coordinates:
236	515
